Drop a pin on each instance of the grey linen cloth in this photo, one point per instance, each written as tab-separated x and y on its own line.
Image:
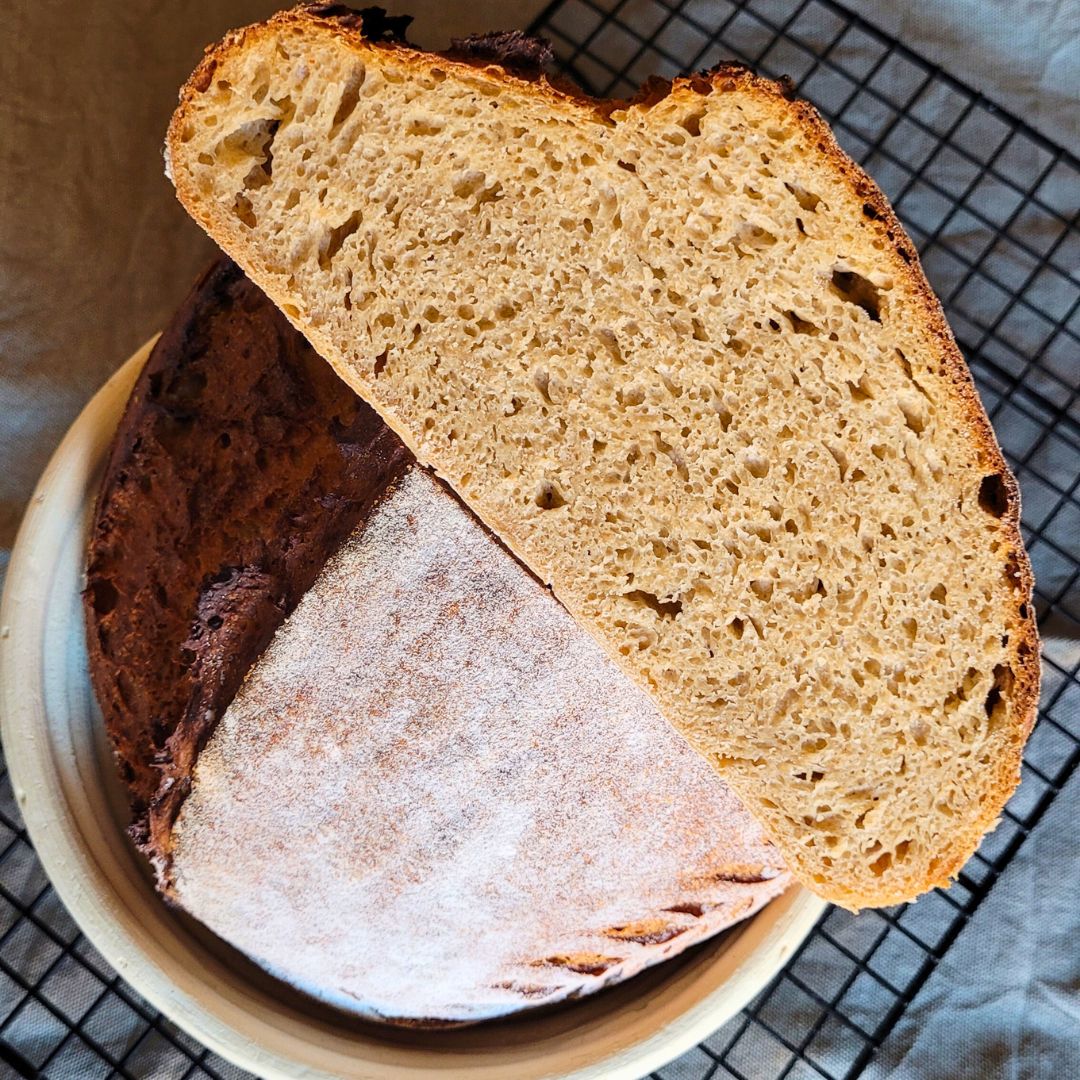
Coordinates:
1004	1003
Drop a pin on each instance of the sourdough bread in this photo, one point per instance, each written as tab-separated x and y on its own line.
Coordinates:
435	800
412	808
679	355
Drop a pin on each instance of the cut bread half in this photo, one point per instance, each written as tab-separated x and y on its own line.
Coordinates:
411	810
361	742
679	355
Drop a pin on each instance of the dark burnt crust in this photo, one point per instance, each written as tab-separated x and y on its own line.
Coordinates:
513	50
239	466
377	23
953	370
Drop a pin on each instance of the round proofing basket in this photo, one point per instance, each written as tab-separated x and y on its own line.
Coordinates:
65	783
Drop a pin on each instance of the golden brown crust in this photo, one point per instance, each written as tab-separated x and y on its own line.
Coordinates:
901	253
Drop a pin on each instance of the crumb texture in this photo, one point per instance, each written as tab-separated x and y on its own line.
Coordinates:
678	354
459	830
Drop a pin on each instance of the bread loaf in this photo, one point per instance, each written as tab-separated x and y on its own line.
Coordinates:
435	800
432	800
679	355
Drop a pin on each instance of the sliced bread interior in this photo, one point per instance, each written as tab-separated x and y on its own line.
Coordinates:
679	355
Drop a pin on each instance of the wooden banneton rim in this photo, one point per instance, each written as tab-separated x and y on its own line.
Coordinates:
63	777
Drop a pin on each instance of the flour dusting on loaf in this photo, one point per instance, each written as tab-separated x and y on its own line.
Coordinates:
473	809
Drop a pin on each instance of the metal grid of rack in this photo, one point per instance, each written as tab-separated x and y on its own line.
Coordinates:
991	206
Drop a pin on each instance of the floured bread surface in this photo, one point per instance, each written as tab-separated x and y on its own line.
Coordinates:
434	798
680	356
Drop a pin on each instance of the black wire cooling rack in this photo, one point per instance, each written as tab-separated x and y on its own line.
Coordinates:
991	205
